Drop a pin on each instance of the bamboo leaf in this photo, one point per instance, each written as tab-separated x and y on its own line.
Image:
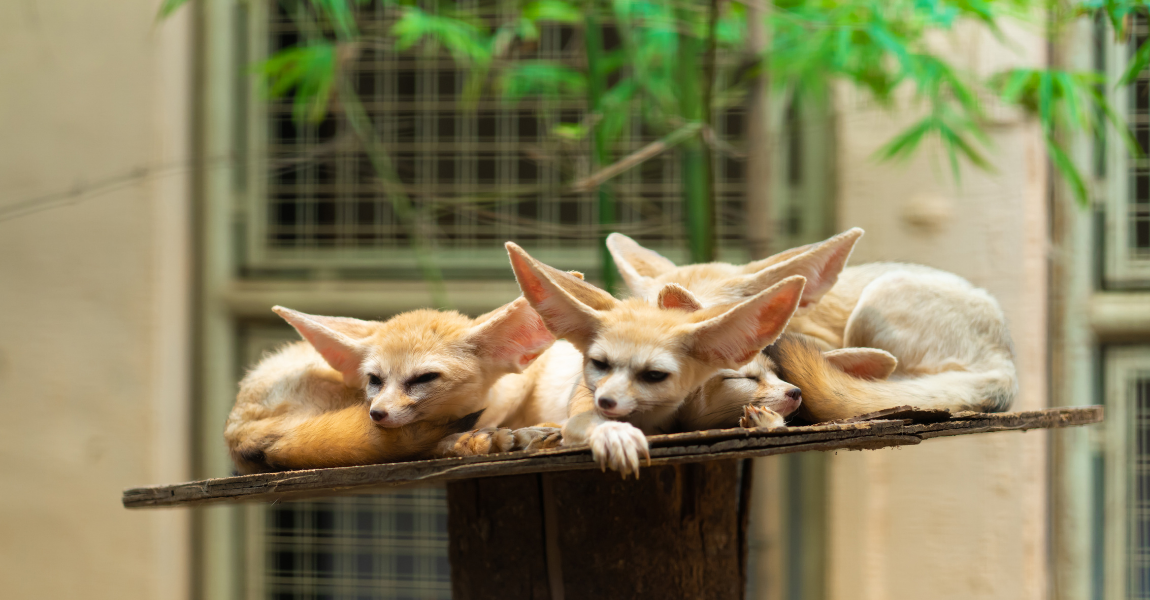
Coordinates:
1137	64
540	78
168	7
308	72
463	39
1068	170
904	144
552	10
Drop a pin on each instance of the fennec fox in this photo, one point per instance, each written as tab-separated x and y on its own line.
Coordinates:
640	362
360	392
950	338
757	395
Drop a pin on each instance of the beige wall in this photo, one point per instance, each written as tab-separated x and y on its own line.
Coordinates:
93	297
960	518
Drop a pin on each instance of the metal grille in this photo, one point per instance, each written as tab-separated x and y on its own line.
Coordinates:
1138	209
479	173
1138	504
383	547
378	547
1127	238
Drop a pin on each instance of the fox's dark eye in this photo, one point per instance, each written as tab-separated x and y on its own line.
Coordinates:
425	378
601	365
654	376
374	379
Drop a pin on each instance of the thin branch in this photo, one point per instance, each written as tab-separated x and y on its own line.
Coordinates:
636	158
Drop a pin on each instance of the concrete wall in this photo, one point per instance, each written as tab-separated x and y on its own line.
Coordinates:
961	518
94	289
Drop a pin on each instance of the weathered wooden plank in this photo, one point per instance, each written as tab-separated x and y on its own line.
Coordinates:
695	446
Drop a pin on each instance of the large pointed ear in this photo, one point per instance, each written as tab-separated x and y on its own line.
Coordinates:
638	265
820	264
568	305
674	295
510	336
864	363
758	265
733	338
332	338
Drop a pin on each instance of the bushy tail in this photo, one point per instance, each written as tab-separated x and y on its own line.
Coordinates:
830	394
337	438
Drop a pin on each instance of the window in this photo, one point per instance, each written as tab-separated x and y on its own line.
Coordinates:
373	547
1126	555
478	172
379	547
1127	245
302	204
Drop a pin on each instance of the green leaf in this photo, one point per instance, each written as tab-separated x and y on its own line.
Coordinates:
306	71
552	10
905	143
1137	64
462	38
540	78
569	131
340	15
168	7
1068	170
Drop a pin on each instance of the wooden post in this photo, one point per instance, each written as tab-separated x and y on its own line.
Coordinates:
678	532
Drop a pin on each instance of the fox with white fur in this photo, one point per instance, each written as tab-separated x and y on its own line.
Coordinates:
638	364
362	392
949	340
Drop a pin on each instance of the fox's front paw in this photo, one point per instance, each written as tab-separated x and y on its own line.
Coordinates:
618	446
539	437
759	416
481	441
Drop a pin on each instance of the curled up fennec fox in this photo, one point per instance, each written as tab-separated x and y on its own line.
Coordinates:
361	392
948	344
638	364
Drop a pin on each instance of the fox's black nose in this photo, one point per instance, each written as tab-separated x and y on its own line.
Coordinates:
378	415
794	393
607	403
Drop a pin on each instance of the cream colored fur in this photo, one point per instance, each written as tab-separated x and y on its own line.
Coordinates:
635	364
422	376
950	338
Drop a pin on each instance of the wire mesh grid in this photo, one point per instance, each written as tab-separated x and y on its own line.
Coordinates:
1138	202
382	547
1138	516
478	172
372	547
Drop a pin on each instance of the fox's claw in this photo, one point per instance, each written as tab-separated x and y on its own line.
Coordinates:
481	441
618	446
539	437
759	416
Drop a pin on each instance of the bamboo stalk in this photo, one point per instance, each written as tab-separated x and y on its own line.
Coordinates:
380	161
695	156
760	225
600	155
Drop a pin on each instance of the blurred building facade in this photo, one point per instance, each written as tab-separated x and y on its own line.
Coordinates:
156	205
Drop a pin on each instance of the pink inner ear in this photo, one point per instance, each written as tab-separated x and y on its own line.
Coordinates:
529	282
526	337
675	297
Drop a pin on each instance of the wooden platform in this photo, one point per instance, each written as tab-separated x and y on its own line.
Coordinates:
896	427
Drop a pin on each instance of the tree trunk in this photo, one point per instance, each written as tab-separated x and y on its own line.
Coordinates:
678	532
